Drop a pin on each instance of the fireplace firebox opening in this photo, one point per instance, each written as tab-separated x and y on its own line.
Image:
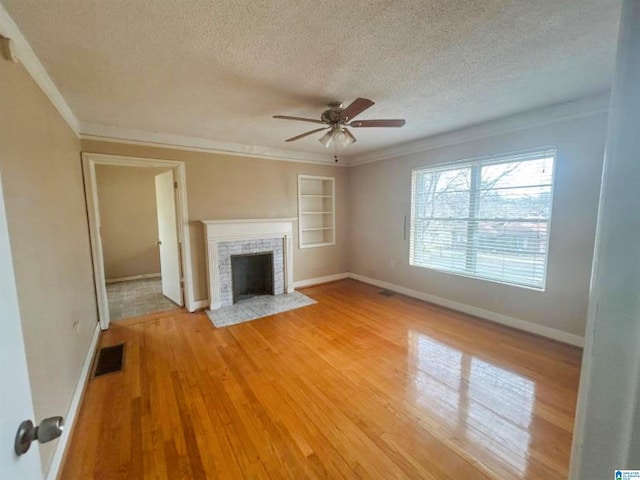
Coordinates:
252	275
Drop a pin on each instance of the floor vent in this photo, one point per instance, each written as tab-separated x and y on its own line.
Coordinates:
110	360
387	293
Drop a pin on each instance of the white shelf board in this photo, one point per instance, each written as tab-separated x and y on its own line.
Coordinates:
312	245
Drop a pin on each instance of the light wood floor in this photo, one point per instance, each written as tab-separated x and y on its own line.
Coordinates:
358	385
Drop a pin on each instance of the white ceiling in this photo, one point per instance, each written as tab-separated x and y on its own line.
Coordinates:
218	70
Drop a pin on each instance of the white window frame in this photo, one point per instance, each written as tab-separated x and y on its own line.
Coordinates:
539	152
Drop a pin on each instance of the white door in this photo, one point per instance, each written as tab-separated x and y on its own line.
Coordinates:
168	238
15	395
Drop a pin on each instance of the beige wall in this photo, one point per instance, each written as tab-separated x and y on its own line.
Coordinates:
46	215
227	186
376	197
380	199
127	199
42	180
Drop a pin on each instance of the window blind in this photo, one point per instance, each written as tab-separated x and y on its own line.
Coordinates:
488	218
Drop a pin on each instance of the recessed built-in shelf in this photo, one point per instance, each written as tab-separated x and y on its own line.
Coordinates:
316	211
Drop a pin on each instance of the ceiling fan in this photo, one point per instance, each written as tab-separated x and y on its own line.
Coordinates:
336	120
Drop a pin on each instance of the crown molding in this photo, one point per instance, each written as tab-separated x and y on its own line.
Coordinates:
104	133
89	131
32	64
562	112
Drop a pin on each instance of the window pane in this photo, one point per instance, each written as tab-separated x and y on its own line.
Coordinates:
447	205
523	203
517	174
513	252
440	244
443	194
487	219
452	180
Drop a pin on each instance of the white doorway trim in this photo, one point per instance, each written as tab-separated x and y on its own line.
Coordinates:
89	162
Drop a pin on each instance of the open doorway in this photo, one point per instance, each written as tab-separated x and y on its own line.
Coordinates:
141	252
139	235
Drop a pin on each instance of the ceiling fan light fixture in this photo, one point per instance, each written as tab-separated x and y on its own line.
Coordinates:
326	139
341	138
348	140
337	137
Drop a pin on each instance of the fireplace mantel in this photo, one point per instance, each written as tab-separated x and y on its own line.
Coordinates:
237	230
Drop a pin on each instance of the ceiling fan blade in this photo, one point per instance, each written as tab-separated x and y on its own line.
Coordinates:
302	135
378	123
286	117
358	106
350	135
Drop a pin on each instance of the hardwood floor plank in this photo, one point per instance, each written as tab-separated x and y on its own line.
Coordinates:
358	385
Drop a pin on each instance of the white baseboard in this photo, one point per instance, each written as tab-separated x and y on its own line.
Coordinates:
516	323
527	326
70	417
199	305
318	280
133	277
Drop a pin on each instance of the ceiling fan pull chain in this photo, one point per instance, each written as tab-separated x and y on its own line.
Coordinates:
335	152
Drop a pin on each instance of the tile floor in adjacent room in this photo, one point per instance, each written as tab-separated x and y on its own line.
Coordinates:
137	297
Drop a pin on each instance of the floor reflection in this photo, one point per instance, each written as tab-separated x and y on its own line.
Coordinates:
487	407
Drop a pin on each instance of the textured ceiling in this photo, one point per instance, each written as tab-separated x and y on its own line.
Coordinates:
219	69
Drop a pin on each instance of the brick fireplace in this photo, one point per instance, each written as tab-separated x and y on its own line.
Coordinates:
229	238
